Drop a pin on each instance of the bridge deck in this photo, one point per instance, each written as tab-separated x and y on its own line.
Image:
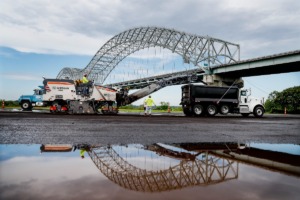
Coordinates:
273	64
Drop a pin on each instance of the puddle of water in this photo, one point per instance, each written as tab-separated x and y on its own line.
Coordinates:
160	171
286	148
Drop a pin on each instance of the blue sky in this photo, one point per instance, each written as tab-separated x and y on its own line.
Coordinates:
39	38
21	72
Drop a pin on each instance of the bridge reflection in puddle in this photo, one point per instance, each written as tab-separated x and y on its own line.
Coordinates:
228	170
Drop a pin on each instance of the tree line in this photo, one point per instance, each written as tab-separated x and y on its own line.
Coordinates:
164	106
288	99
10	103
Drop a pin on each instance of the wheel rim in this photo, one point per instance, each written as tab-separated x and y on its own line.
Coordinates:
198	110
211	110
224	109
98	109
25	105
259	112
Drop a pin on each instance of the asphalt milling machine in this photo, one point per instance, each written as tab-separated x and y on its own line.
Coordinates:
72	97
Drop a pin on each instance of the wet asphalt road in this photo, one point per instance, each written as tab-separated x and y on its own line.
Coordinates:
42	128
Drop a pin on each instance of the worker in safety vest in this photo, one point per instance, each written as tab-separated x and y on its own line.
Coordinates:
82	151
149	103
85	82
83	148
84	79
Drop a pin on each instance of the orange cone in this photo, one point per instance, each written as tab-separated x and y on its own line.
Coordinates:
285	110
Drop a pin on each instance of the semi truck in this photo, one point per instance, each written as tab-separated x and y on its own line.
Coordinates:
199	100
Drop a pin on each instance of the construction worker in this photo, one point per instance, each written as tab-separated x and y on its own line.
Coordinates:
149	103
82	151
145	107
83	148
84	79
85	82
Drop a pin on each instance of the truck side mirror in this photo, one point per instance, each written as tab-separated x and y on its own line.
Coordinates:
249	94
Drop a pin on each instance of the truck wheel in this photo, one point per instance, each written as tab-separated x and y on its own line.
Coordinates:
55	103
224	109
98	108
211	110
258	111
198	109
26	106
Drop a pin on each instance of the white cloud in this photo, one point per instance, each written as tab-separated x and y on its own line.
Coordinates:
59	27
48	42
23	77
21	168
82	27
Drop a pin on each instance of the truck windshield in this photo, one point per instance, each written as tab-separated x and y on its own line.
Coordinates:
38	92
243	93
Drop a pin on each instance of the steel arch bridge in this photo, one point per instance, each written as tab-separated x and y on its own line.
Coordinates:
209	171
198	50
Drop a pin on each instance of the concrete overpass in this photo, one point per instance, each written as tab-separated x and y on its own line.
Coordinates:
267	159
274	64
226	73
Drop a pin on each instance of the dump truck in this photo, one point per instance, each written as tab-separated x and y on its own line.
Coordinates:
199	100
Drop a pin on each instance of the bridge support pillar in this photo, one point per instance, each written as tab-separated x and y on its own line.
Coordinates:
216	80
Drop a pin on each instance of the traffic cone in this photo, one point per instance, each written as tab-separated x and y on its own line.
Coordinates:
284	110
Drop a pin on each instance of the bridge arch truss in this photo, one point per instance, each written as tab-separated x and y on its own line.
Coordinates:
212	170
201	51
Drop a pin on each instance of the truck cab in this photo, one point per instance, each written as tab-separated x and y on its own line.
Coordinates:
250	104
28	101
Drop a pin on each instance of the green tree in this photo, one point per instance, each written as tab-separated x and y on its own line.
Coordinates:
10	103
288	98
163	106
270	104
273	95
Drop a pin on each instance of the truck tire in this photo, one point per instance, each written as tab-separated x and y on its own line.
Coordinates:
258	111
26	105
198	109
55	103
212	110
98	108
224	109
